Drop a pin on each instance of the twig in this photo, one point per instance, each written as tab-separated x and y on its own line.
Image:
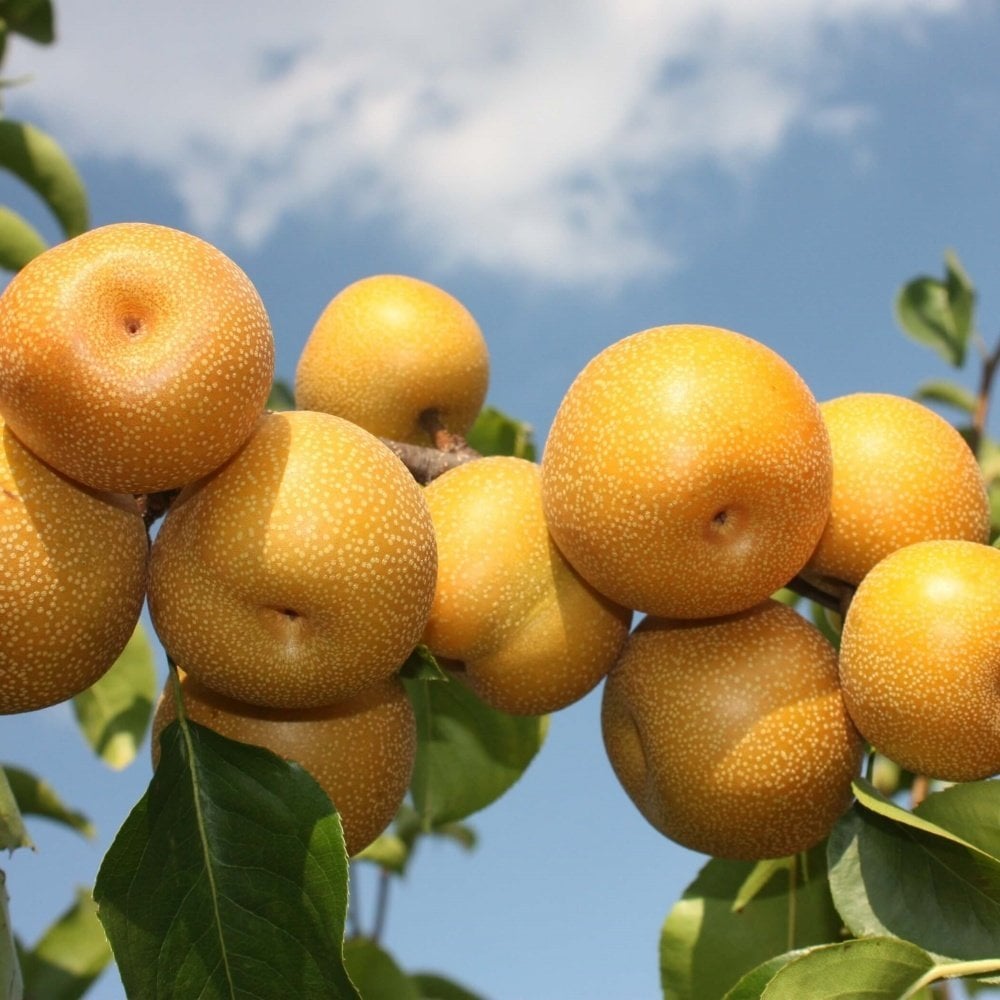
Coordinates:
990	362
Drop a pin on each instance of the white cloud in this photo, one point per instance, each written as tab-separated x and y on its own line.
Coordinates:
507	135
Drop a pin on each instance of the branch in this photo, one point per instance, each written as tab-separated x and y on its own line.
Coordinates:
990	362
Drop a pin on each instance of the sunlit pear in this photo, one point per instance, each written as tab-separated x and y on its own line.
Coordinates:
389	350
687	473
299	573
730	735
360	751
134	357
532	635
901	474
72	580
920	659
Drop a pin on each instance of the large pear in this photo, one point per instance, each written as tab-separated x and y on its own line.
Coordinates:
299	573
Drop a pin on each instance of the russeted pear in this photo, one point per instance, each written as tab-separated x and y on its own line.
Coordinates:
72	580
134	357
299	573
730	735
531	634
390	350
687	473
360	751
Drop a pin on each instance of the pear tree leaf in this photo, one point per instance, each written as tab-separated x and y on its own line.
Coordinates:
939	313
281	396
703	925
12	831
468	754
11	983
421	665
948	393
38	160
228	879
876	968
31	18
432	986
36	797
115	712
70	955
388	851
900	873
761	873
375	973
495	433
751	984
19	240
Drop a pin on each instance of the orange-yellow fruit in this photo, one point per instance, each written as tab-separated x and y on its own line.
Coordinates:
533	636
72	580
901	474
133	358
390	348
299	573
359	751
920	659
730	735
687	473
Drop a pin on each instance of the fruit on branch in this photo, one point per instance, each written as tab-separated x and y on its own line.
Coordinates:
360	751
901	474
687	473
299	573
533	636
920	659
730	735
73	580
133	358
389	349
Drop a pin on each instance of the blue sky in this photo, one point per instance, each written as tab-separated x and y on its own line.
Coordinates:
573	173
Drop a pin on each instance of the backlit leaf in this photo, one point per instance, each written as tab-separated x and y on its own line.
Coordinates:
12	831
702	926
38	160
375	973
11	984
495	433
36	797
114	713
19	240
70	955
468	754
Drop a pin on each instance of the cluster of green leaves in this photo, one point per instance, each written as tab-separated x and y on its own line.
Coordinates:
894	901
941	314
32	155
113	716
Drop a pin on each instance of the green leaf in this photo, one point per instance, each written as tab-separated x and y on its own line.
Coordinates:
421	665
939	313
36	797
228	879
751	985
11	983
899	873
375	973
431	986
875	968
702	926
31	18
759	876
494	433
114	713
388	851
281	397
37	159
12	831
19	240
71	954
468	754
947	392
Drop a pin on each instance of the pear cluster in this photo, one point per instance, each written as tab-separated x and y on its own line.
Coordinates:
689	476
